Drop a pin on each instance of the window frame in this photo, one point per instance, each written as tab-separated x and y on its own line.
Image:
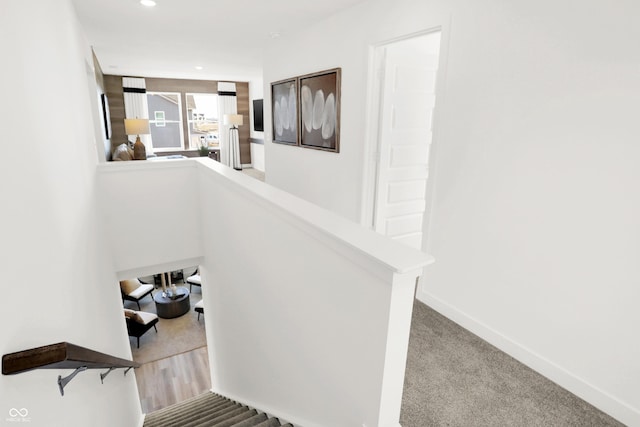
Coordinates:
155	122
190	120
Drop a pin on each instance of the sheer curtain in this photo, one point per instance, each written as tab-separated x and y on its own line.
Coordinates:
135	104
226	105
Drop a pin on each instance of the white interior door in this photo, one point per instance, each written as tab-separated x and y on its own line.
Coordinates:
407	101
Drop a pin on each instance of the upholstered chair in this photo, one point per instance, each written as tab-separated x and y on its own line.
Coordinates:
199	308
133	290
194	280
139	322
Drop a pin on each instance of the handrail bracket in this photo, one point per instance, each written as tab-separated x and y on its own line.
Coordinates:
103	376
62	382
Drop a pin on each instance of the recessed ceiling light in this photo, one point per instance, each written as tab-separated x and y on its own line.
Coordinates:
148	3
198	67
274	34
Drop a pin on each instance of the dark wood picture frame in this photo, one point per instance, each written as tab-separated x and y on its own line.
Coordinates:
319	105
285	117
106	115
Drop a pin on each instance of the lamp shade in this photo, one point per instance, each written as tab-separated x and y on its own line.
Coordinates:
233	119
136	126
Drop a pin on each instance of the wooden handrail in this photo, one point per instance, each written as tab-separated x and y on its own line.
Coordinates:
62	355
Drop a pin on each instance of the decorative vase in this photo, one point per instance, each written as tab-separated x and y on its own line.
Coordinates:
139	150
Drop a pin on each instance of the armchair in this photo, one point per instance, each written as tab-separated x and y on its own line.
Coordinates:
133	290
194	280
139	322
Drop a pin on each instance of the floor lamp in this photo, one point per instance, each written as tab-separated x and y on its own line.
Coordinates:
234	139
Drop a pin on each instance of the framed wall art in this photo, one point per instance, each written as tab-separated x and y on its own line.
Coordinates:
320	110
284	108
106	117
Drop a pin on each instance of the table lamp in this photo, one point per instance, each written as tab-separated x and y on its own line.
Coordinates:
137	127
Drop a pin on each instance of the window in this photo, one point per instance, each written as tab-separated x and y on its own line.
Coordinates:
167	119
202	119
159	118
165	108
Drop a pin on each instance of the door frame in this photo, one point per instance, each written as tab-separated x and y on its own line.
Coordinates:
373	133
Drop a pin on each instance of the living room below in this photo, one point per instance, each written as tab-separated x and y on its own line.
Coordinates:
167	335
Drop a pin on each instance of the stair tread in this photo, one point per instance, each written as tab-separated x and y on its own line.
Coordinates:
271	422
231	422
193	411
218	415
213	419
209	410
205	398
253	421
166	412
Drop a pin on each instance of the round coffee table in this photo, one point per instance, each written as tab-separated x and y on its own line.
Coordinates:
168	308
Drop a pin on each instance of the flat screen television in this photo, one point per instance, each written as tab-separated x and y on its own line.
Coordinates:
258	124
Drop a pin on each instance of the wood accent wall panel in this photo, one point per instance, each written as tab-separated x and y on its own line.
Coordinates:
244	131
179	85
115	95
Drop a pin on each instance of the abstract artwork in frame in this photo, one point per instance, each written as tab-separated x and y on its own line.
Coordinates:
320	110
284	107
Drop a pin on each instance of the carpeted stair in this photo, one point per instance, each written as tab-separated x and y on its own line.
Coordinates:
210	410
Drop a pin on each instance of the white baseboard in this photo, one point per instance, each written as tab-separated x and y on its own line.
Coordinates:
595	396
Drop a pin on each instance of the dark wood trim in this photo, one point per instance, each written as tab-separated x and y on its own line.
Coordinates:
62	355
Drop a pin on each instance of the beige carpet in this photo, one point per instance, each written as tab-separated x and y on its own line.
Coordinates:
174	336
454	378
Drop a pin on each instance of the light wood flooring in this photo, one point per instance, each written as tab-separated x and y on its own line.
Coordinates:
174	379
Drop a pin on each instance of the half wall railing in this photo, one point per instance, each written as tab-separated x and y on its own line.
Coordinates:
307	314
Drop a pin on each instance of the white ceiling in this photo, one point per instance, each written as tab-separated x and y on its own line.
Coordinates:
225	37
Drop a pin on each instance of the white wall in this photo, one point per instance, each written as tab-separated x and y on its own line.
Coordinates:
257	156
534	212
158	229
59	285
288	328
